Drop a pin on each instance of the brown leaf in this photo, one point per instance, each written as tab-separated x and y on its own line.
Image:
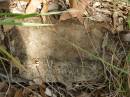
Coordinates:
3	87
19	93
65	16
12	91
42	89
30	90
73	3
32	6
80	6
45	8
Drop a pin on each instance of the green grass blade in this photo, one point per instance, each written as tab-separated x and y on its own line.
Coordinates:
22	16
10	57
11	21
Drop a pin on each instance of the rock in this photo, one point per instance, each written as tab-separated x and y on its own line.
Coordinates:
58	53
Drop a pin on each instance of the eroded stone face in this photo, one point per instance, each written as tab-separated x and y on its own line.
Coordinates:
58	53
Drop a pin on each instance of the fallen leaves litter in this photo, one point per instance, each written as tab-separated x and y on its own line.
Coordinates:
113	14
29	91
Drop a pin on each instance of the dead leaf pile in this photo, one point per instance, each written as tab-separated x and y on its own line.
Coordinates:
17	91
50	90
113	13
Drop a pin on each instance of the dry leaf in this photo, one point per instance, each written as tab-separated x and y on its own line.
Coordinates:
45	8
19	93
42	89
12	91
80	6
65	16
30	90
3	87
32	6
